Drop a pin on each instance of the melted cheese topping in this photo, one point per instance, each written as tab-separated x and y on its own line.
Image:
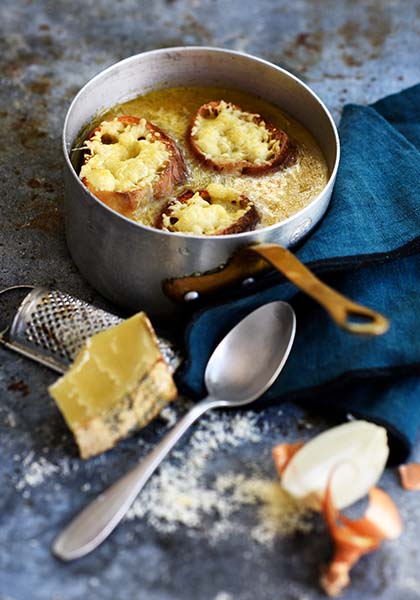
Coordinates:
229	134
124	157
200	217
107	368
276	194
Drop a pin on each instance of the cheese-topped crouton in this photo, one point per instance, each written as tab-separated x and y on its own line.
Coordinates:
229	139
216	210
130	162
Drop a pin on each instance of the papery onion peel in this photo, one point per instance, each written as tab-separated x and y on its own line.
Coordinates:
283	453
410	476
354	538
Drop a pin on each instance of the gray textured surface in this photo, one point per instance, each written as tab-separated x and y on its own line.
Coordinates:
348	51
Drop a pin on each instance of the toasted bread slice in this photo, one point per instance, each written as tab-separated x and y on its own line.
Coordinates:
216	210
229	139
131	162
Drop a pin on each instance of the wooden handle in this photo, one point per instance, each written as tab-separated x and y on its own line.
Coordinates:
251	260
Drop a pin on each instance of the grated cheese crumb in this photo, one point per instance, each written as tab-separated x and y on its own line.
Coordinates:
36	472
180	494
169	416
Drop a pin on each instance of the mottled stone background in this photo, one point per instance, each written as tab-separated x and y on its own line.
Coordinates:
347	51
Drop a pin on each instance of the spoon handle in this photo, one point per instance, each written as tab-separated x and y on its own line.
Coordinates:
95	523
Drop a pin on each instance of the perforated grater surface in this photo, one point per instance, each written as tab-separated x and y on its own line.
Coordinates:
51	327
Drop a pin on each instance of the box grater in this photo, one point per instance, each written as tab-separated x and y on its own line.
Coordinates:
51	327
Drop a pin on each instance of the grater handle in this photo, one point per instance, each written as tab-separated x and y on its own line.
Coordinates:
50	327
11	288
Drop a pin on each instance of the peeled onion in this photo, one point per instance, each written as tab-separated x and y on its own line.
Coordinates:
356	452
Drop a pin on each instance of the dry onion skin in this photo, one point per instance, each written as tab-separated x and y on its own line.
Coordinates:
283	454
357	452
332	471
410	476
354	538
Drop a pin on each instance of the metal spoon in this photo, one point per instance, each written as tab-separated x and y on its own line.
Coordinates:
243	366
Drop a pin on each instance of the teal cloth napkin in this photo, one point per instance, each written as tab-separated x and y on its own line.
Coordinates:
367	247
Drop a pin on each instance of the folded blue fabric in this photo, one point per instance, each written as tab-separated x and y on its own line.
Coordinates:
367	247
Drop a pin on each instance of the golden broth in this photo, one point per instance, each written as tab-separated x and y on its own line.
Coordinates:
276	195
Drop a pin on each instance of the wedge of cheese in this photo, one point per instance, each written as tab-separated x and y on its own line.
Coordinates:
118	382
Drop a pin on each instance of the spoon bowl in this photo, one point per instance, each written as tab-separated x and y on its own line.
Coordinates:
241	368
250	357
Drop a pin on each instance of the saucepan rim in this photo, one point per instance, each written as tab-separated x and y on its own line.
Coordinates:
213	49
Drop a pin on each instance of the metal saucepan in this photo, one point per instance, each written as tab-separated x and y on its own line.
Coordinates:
128	262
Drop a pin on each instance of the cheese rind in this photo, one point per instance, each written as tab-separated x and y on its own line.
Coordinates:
118	383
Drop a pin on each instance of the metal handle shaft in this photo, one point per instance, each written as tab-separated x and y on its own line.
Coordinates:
251	260
344	311
95	523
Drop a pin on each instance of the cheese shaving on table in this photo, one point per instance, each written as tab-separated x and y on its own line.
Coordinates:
181	494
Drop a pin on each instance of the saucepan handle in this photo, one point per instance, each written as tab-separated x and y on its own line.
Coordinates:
250	260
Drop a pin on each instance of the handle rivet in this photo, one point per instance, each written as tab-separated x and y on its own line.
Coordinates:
248	281
191	296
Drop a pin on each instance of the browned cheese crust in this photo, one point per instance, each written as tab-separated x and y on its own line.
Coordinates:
174	173
285	156
246	222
